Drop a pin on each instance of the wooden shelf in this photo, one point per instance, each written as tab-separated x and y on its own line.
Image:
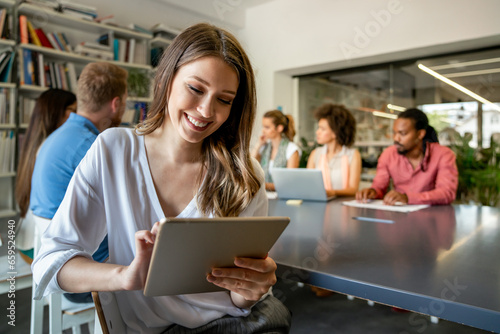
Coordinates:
73	57
7	126
77	23
7	3
7	85
7	213
4	175
8	42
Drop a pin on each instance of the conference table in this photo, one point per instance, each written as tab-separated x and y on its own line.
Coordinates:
442	261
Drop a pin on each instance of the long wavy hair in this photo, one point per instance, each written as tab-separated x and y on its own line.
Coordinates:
49	111
231	181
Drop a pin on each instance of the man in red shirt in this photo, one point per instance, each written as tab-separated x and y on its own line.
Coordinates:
422	171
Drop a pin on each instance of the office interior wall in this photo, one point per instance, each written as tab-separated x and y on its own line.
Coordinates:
293	37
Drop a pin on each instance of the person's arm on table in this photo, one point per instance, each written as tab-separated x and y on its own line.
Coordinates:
380	182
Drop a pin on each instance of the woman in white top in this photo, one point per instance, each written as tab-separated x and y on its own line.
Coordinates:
190	158
276	147
339	163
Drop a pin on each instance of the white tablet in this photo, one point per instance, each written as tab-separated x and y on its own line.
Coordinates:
186	250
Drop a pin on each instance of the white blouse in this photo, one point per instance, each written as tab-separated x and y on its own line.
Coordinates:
334	164
112	192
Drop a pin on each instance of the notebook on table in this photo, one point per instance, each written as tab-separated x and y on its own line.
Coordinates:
299	183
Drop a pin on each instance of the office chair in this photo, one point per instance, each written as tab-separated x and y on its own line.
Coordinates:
63	314
108	314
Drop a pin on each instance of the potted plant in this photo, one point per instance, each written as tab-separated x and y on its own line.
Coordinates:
478	171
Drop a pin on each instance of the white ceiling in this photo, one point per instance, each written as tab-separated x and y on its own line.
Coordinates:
230	12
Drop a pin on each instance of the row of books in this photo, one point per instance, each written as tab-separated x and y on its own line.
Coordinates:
7	151
5	115
6	24
28	34
134	113
7	55
26	106
35	71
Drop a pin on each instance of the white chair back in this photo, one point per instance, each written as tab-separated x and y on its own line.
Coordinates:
63	314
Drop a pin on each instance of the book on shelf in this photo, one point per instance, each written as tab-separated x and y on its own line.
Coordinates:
130	50
8	28
3	20
6	73
27	105
91	52
4	110
32	35
23	29
134	113
140	53
140	29
43	38
27	69
122	49
72	79
7	151
40	68
53	41
61	38
105	40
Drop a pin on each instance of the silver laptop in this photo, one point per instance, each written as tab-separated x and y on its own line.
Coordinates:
299	183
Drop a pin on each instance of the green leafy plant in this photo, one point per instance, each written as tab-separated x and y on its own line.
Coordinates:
478	171
138	83
307	148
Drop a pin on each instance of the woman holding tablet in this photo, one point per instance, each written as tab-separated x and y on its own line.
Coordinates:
339	162
276	147
189	158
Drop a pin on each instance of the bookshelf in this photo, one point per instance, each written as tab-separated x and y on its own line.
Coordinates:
8	127
21	93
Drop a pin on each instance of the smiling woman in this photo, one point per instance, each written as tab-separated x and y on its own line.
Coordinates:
190	158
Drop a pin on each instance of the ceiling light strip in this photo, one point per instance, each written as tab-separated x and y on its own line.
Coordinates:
466	63
457	86
384	114
469	73
395	107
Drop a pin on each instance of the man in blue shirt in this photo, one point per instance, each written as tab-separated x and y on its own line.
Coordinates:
101	101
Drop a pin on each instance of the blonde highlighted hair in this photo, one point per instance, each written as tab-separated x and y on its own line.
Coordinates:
278	118
231	181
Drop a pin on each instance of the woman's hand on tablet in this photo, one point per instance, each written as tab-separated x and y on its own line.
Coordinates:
134	276
248	282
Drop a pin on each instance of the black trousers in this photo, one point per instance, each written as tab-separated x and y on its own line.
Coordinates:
267	316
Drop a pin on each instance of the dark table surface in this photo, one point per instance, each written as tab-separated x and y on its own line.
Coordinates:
442	261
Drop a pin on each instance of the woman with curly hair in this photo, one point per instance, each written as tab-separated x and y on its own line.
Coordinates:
339	162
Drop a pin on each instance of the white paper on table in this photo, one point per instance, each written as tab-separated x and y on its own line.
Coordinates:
379	205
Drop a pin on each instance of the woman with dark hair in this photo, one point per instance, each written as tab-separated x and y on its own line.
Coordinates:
276	147
51	110
339	162
190	158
